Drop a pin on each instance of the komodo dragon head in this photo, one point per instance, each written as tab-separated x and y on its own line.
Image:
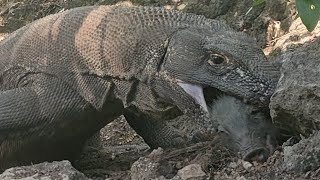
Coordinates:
231	62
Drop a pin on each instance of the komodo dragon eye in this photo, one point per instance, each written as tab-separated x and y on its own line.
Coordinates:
215	59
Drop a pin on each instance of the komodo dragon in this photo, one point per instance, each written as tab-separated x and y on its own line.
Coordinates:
67	75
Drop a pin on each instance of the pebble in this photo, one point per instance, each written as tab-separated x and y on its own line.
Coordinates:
246	165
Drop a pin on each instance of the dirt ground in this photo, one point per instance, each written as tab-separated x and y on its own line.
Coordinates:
121	150
121	146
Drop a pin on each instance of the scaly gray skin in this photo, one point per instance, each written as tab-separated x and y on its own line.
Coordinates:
246	130
67	75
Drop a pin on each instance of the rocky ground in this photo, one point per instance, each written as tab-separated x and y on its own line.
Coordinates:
294	106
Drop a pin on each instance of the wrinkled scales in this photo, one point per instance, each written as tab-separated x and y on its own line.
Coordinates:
67	75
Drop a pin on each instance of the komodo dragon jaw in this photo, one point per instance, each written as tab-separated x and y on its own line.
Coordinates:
224	60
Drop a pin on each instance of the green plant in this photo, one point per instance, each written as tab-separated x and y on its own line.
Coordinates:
258	2
309	12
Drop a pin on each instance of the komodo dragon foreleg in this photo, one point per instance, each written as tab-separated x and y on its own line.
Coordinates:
146	114
156	133
50	121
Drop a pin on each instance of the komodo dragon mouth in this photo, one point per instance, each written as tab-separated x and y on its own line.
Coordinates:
196	92
201	95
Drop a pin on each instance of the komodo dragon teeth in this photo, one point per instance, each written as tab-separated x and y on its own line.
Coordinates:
196	92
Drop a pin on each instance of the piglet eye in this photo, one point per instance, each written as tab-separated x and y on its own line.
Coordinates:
215	59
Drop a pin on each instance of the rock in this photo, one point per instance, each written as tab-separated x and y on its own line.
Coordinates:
156	166
192	171
295	103
303	156
45	171
241	178
143	168
246	165
151	167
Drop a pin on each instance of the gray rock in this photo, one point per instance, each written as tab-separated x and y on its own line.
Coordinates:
295	103
44	171
147	167
303	156
144	169
155	166
192	171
